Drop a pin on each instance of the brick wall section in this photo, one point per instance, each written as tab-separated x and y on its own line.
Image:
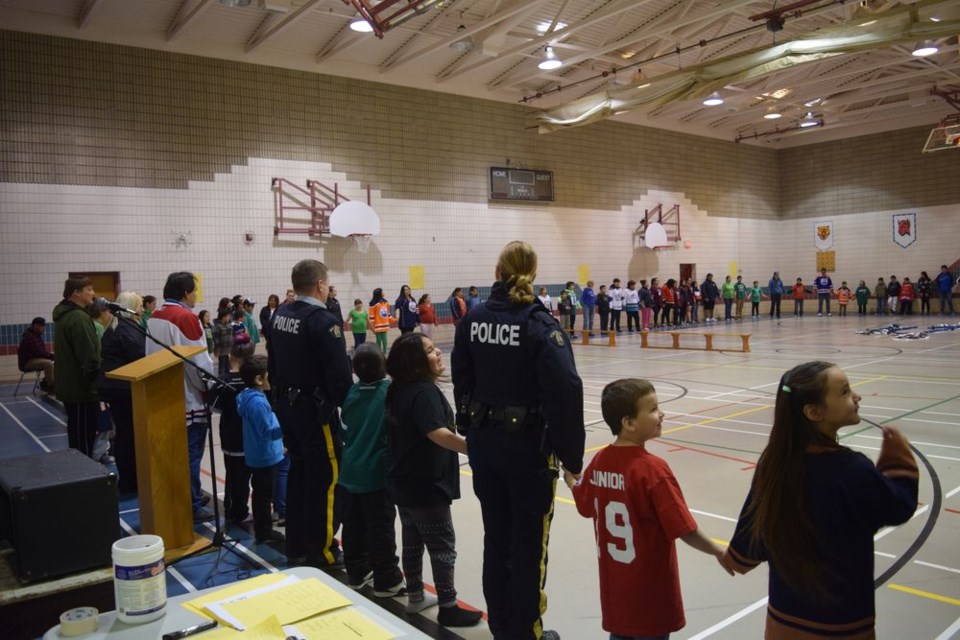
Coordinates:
85	113
870	173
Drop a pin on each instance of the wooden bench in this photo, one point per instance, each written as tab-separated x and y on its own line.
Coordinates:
611	339
585	338
708	340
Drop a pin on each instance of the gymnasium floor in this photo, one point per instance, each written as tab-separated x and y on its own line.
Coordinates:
719	408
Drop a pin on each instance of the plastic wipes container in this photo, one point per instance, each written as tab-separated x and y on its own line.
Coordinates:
139	579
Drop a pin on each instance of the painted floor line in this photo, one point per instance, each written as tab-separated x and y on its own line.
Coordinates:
48	412
936	566
924	594
949	631
26	430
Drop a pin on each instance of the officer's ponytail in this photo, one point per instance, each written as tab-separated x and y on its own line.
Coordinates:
517	266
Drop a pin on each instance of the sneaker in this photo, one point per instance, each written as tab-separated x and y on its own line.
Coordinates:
203	514
550	635
425	601
272	536
829	315
357	585
819	315
399	589
205	500
455	616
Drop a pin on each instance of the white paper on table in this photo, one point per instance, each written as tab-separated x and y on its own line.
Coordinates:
216	608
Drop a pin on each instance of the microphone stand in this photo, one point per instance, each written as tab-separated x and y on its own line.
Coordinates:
220	539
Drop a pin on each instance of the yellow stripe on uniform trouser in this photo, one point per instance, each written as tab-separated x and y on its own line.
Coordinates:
335	469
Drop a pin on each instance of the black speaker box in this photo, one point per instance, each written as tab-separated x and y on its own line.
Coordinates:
59	512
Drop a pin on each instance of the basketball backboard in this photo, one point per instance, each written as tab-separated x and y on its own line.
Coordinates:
941	138
354	218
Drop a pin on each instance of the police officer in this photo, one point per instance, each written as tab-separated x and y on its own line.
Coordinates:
310	375
520	399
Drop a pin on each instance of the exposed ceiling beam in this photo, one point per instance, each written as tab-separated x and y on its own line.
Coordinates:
517	9
264	33
658	30
89	8
345	39
188	12
525	48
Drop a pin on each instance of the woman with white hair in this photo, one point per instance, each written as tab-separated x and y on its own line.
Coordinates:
122	344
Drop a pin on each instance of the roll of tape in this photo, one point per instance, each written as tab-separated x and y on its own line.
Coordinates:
79	621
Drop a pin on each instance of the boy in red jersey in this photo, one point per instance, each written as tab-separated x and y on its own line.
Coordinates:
638	511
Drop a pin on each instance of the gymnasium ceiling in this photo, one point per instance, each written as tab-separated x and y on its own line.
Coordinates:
608	47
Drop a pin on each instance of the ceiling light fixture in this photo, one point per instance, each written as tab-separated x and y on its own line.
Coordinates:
772	115
463	45
713	100
928	48
809	121
235	3
550	61
361	26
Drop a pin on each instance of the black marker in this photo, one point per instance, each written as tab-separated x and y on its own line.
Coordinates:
189	631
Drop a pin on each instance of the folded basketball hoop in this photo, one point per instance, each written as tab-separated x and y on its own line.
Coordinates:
362	240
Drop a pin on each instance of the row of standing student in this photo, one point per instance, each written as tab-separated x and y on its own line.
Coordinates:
522	400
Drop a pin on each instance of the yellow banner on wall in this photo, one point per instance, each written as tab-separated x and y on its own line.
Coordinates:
733	269
827	260
583	273
416	276
199	280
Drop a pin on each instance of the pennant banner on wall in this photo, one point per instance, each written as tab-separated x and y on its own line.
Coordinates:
904	229
823	235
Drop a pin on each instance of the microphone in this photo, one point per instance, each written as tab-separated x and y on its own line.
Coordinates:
114	307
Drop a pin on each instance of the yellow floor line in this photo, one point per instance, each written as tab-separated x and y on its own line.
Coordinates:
925	594
857	384
706	421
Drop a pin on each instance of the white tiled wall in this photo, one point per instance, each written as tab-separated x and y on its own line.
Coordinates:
48	230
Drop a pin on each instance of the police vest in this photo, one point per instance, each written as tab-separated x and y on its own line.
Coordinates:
500	348
294	345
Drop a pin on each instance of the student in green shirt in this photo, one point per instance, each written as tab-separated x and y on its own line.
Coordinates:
756	294
358	323
727	292
863	295
740	293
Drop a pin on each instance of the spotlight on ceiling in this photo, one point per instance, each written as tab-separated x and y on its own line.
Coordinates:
713	100
927	48
809	121
235	3
550	61
772	115
361	26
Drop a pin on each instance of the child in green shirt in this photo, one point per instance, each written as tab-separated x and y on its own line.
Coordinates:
358	323
863	295
756	294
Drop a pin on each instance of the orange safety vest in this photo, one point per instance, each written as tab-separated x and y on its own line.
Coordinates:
381	317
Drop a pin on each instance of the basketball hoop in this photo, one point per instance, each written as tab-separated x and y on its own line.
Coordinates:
362	240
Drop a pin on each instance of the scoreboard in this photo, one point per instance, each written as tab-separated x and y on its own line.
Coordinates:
529	185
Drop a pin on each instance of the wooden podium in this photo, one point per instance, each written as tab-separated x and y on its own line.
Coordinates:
160	434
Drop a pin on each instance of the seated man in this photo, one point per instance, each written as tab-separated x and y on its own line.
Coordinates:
32	354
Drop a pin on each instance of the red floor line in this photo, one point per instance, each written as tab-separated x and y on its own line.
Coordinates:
716	455
952	510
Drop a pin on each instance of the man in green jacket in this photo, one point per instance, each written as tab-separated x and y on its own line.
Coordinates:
77	362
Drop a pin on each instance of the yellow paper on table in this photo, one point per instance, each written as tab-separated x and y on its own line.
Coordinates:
292	603
269	629
235	589
345	624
